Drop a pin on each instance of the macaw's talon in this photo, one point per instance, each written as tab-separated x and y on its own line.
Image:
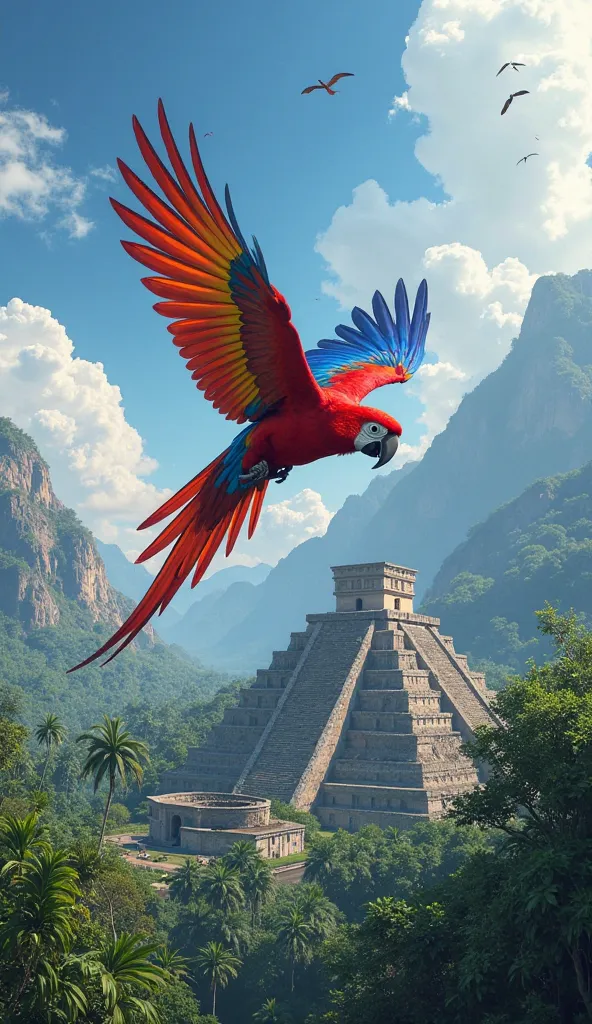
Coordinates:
283	474
259	472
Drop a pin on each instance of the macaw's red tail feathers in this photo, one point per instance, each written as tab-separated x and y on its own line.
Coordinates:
198	530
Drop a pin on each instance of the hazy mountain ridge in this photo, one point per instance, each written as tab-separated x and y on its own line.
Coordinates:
534	549
57	606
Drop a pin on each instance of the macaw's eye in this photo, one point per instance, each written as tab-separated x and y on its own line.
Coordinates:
374	428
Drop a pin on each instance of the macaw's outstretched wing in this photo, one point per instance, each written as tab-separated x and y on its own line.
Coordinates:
385	350
231	325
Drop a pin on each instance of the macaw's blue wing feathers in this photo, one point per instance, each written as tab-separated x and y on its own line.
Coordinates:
386	350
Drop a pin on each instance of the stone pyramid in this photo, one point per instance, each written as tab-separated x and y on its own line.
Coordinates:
361	719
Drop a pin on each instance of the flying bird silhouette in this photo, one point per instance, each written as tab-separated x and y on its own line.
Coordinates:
235	332
521	92
327	85
525	158
208	133
511	64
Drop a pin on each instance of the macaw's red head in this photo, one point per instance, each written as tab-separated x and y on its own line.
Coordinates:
376	434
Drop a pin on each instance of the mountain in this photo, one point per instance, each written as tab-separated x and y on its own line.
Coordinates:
57	606
530	418
534	549
178	621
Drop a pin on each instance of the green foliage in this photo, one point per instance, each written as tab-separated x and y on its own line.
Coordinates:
356	868
539	545
113	754
285	812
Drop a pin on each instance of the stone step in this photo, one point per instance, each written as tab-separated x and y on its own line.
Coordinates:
470	708
401	721
272	678
333	818
388	640
298	641
373	798
395	679
255	697
430	775
284	660
234	737
247	716
391	746
392	659
399	700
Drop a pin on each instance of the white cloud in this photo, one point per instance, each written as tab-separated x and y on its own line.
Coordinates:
105	173
67	404
498	226
97	460
32	183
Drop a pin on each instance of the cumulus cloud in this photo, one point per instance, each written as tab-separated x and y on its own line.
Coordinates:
33	184
76	416
106	173
498	226
97	459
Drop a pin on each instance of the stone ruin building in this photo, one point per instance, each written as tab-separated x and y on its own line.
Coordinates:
209	823
361	719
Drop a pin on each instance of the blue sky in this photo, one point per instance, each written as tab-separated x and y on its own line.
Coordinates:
432	191
235	69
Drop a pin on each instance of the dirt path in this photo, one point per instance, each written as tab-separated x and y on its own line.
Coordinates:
286	874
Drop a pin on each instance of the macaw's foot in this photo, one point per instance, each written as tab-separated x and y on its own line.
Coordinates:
259	472
282	474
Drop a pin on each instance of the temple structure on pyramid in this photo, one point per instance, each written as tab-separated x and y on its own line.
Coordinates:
361	719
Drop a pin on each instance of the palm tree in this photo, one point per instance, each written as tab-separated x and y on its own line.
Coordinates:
269	1013
86	860
221	887
20	839
219	965
112	752
126	968
295	935
242	855
320	860
317	909
257	883
49	733
172	961
186	882
39	931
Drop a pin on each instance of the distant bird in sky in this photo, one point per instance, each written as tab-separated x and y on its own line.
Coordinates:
525	158
208	133
327	85
511	64
521	92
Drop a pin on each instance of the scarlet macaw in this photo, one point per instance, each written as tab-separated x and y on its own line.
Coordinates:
234	329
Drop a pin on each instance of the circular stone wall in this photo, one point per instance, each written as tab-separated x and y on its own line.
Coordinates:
218	810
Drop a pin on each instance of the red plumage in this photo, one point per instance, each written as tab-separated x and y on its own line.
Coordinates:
234	330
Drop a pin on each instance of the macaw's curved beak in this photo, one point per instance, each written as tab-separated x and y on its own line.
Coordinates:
385	449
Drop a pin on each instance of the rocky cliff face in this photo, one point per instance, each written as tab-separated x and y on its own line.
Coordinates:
45	552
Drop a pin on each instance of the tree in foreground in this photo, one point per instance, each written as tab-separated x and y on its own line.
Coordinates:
113	754
126	969
40	975
20	839
49	733
218	964
186	882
